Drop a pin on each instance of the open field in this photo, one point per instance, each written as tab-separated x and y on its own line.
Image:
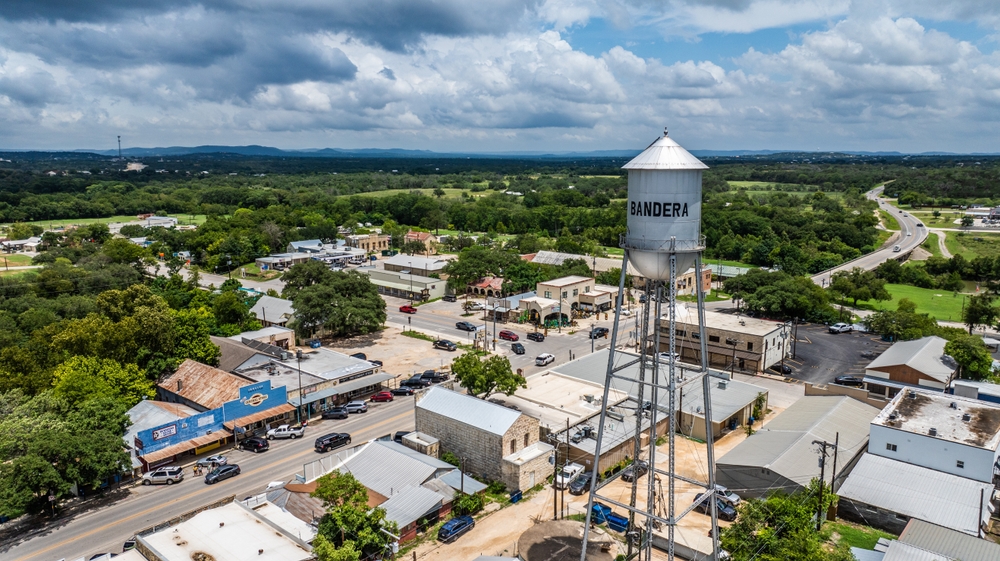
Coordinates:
449	193
757	185
17	273
195	219
856	535
728	263
15	260
931	245
973	244
946	220
940	304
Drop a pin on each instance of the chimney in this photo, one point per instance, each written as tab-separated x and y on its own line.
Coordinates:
933	431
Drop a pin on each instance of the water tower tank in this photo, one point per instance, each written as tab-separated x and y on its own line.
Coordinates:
664	202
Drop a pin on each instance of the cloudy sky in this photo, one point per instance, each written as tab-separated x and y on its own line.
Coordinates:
499	75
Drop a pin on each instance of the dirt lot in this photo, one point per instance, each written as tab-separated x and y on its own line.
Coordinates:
400	355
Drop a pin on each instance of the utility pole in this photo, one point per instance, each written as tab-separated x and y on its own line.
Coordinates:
555	473
822	476
795	335
119	146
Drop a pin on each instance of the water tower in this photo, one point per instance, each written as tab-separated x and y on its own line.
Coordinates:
662	242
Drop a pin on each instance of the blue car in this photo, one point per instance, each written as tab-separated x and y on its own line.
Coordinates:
455	527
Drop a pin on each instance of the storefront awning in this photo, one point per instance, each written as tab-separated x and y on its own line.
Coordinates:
260	416
347	387
182	447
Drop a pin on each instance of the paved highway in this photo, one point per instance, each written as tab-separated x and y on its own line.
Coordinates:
911	236
105	528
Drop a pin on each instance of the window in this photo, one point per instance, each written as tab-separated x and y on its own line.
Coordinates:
890	447
526	439
564	293
576	291
749	346
713	338
586	289
681	333
960	464
548	294
696	335
512	446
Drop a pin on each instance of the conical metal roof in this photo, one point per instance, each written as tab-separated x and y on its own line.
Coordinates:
664	153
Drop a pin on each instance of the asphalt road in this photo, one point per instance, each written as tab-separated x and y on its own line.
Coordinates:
105	528
910	237
820	356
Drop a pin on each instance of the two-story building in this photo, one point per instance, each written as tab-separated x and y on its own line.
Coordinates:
369	243
425	238
735	342
911	364
415	265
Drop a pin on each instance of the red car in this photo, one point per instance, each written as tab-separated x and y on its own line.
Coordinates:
382	396
508	335
407	309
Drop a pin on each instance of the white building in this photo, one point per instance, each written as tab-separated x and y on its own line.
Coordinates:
947	433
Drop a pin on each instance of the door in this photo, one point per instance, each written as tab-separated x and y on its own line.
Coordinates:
531	480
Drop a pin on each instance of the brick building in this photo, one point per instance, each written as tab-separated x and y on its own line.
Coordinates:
426	238
734	342
495	442
369	242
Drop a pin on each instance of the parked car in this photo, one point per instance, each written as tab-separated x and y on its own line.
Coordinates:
335	413
536	336
285	431
254	444
465	326
331	441
382	396
781	368
840	328
407	309
518	348
474	306
401	391
724	511
849	381
415	382
543	359
449	298
665	357
434	377
398	437
727	496
455	527
598	332
356	407
445	344
222	473
508	335
567	474
165	475
581	484
635	470
212	461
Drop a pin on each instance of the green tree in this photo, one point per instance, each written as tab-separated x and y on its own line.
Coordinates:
192	330
121	250
979	310
413	247
81	378
968	221
483	378
859	284
304	275
349	530
228	308
342	304
972	356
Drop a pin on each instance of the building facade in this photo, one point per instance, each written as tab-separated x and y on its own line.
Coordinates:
369	243
734	342
911	364
415	265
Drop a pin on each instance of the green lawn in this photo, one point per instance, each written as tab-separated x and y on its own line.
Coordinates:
449	193
15	260
888	220
196	219
856	535
728	263
973	244
940	304
755	186
4	273
931	245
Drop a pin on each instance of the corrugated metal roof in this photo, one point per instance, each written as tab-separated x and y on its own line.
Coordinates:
924	355
903	552
784	444
417	262
917	492
951	544
202	384
387	468
411	504
232	354
866	554
471	485
470	410
665	154
148	414
274	310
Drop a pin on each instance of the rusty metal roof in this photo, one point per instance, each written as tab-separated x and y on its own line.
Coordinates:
207	386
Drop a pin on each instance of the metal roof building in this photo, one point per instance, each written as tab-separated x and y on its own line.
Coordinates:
782	456
920	363
949	543
411	504
886	493
469	410
272	311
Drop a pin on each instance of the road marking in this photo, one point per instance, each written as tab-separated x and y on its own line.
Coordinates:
119	521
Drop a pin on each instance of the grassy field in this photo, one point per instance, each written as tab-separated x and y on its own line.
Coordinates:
449	193
196	219
888	220
15	260
973	244
756	185
883	235
931	245
940	304
728	263
16	273
856	535
946	220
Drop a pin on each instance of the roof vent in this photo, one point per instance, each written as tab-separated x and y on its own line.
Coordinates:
933	431
966	417
723	384
913	394
893	416
221	524
180	385
953	405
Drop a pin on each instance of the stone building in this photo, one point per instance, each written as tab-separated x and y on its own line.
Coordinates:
493	441
734	342
369	242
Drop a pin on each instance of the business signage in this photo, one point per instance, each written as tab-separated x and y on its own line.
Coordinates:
254	400
164	432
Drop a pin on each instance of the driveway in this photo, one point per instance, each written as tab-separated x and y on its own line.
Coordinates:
820	356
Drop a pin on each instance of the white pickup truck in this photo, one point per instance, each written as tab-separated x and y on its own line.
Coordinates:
567	474
285	431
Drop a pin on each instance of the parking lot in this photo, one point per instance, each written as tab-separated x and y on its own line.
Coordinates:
820	356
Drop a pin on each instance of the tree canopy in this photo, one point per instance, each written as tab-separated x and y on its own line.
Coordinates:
485	377
349	530
338	303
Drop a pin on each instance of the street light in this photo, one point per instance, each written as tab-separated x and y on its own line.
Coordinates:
298	410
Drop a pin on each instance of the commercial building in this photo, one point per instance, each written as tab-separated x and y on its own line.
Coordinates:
415	265
425	238
487	286
947	433
148	414
408	286
566	290
276	336
370	243
911	364
496	442
782	455
270	310
30	244
886	494
947	543
685	281
735	342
